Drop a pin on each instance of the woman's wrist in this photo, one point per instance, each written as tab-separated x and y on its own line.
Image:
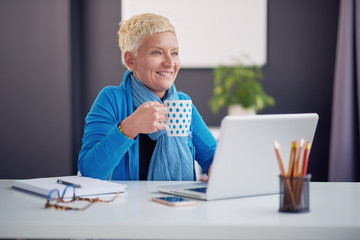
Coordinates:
124	129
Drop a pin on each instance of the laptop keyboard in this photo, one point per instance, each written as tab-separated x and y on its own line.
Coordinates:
201	189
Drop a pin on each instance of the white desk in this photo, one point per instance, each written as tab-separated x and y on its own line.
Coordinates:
335	214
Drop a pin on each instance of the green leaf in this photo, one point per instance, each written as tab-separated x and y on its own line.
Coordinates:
239	85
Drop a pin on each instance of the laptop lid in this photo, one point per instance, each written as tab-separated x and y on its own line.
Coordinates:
245	162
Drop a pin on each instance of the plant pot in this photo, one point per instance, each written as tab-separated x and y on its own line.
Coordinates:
240	110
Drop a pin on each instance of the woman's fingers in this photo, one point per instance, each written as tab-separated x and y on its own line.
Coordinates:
148	117
159	115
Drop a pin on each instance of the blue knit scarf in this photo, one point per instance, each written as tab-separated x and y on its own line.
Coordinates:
171	159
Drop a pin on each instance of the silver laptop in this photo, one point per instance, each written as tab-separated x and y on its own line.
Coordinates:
245	162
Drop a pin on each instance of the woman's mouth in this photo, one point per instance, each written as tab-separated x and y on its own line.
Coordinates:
165	74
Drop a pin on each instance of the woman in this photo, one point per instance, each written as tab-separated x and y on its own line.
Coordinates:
124	136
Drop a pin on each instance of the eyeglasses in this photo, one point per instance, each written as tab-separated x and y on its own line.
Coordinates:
55	201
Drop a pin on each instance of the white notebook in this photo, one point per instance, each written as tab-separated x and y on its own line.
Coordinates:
89	186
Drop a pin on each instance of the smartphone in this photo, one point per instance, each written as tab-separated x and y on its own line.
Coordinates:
174	201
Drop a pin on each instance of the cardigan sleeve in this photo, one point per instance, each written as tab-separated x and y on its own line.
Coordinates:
203	140
104	146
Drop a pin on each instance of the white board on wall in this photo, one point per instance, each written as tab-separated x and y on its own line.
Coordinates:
211	32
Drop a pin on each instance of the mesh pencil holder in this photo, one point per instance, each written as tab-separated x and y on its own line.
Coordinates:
294	194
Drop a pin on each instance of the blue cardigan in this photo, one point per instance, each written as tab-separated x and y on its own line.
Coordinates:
108	154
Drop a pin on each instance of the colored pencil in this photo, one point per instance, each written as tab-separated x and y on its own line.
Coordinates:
305	162
279	158
287	185
304	166
291	162
294	160
298	157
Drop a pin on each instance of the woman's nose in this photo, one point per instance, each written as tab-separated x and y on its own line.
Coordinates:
168	60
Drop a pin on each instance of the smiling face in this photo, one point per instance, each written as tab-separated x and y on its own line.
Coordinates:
156	63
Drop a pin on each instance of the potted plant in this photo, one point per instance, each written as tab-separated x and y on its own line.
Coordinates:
239	87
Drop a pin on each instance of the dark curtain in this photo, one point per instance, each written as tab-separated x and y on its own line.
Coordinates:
345	136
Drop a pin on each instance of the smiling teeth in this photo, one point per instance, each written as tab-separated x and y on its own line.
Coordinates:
165	74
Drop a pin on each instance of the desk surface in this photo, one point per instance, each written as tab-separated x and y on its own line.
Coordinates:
335	214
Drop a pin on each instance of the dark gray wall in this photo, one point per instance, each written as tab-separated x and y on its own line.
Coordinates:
34	88
300	69
298	74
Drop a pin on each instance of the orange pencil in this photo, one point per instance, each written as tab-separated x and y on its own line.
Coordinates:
303	172
297	165
287	186
291	163
280	159
296	173
305	162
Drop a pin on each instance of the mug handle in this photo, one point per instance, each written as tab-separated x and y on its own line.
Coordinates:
166	126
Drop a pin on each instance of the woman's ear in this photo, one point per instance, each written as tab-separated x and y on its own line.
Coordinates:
129	61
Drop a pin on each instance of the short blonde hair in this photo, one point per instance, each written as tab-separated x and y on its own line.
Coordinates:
134	31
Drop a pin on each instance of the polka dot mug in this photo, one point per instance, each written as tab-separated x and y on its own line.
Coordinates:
178	119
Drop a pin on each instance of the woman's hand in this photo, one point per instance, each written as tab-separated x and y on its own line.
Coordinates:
208	175
147	118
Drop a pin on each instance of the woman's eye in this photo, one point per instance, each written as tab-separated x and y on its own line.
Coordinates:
157	53
175	53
